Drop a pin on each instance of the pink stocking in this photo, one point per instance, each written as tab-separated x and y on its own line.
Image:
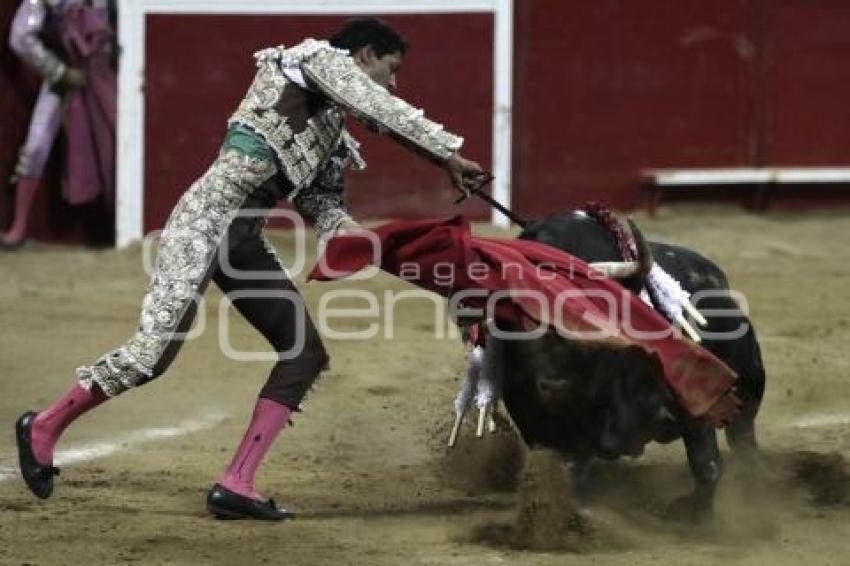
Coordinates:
268	420
50	423
25	192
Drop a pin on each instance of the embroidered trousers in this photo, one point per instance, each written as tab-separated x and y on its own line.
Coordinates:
205	238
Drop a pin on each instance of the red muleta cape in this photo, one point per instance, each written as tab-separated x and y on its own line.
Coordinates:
543	285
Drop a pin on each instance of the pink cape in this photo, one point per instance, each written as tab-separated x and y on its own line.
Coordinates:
576	298
91	110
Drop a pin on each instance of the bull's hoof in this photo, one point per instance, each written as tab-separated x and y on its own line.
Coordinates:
689	509
583	520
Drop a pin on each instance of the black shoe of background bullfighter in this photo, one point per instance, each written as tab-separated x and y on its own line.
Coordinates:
37	477
225	504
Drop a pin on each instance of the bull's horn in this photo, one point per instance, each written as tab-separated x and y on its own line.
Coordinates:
643	249
695	314
626	269
616	269
455	430
482	417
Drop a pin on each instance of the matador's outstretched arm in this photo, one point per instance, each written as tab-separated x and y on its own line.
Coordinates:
339	78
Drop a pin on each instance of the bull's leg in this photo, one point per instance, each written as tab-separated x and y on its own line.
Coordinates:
706	466
744	356
577	468
741	435
741	432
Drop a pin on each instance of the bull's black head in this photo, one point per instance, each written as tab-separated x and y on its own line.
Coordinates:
612	398
561	368
630	392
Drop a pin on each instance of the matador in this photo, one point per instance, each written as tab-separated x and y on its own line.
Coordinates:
286	140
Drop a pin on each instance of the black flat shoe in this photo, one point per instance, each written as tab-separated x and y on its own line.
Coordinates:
225	504
37	477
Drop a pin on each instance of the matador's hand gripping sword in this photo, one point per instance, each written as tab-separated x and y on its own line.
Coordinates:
476	190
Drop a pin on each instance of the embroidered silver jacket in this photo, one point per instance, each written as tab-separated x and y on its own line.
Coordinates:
310	139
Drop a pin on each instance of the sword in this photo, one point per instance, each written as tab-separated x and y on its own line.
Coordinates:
521	222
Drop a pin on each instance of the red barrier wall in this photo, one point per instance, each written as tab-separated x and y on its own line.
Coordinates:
606	88
806	86
448	72
602	90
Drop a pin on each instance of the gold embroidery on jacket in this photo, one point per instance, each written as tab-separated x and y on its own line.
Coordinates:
336	75
339	77
187	247
301	154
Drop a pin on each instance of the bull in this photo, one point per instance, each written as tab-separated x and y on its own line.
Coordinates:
591	400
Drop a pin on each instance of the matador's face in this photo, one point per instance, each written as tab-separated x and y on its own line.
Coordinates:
381	69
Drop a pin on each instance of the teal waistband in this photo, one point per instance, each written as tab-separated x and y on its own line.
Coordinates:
244	140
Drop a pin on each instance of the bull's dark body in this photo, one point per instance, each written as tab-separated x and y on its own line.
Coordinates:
598	401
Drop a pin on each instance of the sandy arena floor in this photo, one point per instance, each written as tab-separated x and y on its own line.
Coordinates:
365	464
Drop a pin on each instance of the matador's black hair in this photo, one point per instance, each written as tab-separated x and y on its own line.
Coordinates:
361	32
